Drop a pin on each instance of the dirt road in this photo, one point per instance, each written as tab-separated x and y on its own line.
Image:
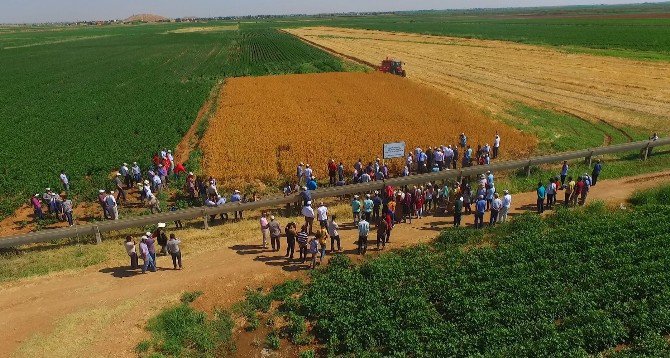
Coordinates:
103	309
495	74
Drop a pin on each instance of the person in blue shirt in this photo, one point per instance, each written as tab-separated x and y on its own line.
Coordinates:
377	201
237	198
479	212
368	206
564	172
305	195
312	184
356	209
596	172
541	195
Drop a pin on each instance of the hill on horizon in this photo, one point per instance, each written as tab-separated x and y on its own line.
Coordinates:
145	18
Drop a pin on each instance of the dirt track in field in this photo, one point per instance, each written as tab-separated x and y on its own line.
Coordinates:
495	74
103	309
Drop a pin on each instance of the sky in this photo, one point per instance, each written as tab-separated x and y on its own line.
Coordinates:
31	11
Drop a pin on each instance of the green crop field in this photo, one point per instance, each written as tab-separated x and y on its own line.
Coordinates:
585	282
86	99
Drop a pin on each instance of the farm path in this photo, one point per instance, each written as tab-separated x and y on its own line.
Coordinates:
495	74
104	309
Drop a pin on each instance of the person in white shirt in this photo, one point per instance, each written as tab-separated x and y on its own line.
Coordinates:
551	193
308	213
137	173
157	183
322	215
496	206
506	205
171	159
112	208
496	146
363	231
333	228
130	250
65	181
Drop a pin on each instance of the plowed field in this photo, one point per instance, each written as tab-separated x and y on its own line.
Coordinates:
494	74
264	126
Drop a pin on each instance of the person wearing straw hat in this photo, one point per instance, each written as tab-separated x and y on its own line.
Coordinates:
125	175
149	262
173	247
64	180
102	196
506	205
37	207
130	250
136	172
356	209
118	183
299	172
308	213
112	206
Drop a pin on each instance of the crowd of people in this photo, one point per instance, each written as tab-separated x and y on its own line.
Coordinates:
147	249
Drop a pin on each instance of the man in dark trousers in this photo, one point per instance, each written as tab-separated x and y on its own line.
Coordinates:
596	172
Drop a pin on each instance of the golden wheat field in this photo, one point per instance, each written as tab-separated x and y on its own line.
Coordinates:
265	126
496	74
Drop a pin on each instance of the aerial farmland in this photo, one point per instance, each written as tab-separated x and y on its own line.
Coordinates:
240	126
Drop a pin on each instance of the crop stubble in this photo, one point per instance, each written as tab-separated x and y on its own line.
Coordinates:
264	126
494	74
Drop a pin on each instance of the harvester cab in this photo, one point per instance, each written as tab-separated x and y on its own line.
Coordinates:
393	67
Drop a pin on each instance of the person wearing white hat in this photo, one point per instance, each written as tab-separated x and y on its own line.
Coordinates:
299	171
37	207
125	175
161	238
102	200
356	209
137	173
307	173
322	215
275	233
308	213
149	262
237	198
112	207
64	180
130	250
118	183
151	245
171	159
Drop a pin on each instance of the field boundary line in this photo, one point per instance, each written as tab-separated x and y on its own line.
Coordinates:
203	213
331	51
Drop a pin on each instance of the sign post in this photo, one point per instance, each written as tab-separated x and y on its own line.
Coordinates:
394	150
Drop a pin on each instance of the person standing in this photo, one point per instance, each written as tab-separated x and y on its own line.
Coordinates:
275	234
130	250
506	205
299	173
151	241
340	172
302	238
333	232
550	189
118	183
363	231
102	196
66	210
332	172
569	191
291	234
496	146
307	174
161	238
112	207
265	229
356	209
382	230
147	257
541	195
596	172
175	252
564	172
368	206
463	140
64	180
37	207
496	205
480	209
322	215
137	173
313	249
237	198
322	236
308	213
458	209
125	175
580	187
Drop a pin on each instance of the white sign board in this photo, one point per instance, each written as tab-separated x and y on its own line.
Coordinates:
394	150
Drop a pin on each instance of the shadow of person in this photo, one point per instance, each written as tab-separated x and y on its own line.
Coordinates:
121	271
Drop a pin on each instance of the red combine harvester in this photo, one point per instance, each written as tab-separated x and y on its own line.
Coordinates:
393	67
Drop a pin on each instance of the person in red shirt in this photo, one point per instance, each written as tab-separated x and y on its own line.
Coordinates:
156	160
332	172
579	189
178	169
